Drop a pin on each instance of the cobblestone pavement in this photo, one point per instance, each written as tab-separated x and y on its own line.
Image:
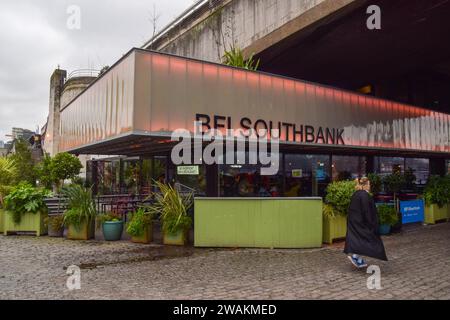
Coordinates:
35	268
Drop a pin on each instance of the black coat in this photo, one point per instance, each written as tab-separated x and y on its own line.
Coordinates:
362	228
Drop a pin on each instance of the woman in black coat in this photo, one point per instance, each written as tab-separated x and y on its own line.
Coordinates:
362	227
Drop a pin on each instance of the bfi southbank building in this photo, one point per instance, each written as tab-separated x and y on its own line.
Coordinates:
326	134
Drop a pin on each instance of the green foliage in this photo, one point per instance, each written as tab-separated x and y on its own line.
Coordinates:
394	182
328	211
23	199
376	183
339	195
55	222
24	162
235	58
108	217
63	166
437	191
8	175
140	220
81	206
410	178
387	215
8	171
44	172
172	208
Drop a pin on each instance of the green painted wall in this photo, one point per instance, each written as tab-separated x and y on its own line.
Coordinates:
258	223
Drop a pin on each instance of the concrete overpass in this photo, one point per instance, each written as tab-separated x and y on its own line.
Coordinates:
327	41
204	30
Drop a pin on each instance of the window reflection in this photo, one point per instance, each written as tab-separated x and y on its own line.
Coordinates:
387	165
420	168
244	180
417	166
192	181
306	175
348	167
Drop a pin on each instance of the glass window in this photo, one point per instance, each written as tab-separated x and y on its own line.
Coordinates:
108	173
348	167
244	180
306	175
192	180
420	168
131	173
89	173
153	169
448	166
387	165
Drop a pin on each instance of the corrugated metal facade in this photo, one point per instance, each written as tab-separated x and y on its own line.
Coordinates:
154	94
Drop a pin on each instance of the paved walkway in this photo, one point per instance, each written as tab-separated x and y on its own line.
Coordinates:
35	268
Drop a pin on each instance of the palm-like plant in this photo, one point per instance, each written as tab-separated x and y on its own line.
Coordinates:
172	208
8	175
235	58
81	206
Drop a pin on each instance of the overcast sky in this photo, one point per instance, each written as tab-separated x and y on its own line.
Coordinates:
35	39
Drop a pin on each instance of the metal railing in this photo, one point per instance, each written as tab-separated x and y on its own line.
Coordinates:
83	73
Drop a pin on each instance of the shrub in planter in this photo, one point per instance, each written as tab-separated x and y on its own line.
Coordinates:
437	199
112	226
81	213
339	196
337	201
55	226
25	199
25	210
387	217
140	226
173	211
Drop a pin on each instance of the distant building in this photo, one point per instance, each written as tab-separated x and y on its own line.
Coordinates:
3	149
20	133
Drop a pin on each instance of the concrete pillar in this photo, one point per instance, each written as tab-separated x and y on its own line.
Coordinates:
51	144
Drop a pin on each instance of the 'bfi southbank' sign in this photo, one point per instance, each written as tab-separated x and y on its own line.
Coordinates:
292	132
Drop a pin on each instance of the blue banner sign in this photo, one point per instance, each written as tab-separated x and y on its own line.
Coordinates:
412	211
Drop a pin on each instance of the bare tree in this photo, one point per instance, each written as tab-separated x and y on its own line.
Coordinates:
154	17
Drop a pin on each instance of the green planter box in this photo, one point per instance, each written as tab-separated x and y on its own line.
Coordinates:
258	222
178	239
334	228
433	213
2	220
83	232
146	238
30	222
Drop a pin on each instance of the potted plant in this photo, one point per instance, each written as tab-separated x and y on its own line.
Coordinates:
172	209
112	226
81	213
26	210
394	183
55	225
387	217
140	226
437	198
337	201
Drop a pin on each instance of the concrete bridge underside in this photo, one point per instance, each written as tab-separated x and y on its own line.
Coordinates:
327	41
